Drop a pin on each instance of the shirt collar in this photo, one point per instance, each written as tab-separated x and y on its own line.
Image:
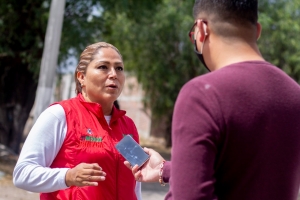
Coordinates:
96	109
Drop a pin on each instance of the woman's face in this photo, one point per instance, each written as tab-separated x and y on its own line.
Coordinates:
104	78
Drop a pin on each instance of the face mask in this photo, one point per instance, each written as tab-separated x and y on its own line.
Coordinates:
200	55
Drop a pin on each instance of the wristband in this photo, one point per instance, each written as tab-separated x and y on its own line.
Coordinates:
161	169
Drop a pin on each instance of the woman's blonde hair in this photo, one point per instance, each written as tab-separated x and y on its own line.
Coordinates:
86	57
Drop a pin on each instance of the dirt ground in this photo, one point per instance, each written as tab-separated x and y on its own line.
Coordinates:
150	191
8	190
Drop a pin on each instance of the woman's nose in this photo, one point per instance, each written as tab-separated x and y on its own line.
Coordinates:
112	73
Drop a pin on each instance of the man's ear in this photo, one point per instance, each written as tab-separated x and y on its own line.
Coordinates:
258	30
202	27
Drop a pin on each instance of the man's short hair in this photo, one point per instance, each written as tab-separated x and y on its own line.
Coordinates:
232	11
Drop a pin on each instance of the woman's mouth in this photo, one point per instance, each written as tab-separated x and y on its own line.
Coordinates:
112	86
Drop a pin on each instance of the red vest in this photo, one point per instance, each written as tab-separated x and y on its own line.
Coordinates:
90	140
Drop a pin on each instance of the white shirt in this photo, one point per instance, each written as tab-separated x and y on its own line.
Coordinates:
32	171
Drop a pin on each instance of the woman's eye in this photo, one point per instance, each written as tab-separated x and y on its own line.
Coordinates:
119	68
102	67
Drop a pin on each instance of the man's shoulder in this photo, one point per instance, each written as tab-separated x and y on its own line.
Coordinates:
235	75
238	71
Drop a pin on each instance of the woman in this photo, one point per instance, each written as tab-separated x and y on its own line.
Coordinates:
70	151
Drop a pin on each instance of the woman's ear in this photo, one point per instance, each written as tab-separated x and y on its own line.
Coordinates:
258	30
202	27
80	77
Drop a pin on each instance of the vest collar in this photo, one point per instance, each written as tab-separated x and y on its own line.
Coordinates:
96	109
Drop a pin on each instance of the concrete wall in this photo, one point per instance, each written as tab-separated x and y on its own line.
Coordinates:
130	100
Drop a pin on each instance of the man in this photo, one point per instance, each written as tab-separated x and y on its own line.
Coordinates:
235	130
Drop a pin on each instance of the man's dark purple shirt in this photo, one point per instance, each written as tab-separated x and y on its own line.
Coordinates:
236	136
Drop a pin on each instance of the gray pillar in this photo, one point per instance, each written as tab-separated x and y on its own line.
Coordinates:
47	77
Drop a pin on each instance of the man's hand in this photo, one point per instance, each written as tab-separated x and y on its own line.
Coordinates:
149	172
85	175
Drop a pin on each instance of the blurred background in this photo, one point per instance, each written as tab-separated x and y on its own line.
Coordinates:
41	41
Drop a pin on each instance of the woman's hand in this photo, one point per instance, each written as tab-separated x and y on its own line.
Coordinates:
85	175
149	172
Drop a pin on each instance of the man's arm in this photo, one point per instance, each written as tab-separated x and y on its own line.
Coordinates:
195	132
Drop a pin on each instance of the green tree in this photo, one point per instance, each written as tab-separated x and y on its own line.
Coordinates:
23	26
156	49
279	42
